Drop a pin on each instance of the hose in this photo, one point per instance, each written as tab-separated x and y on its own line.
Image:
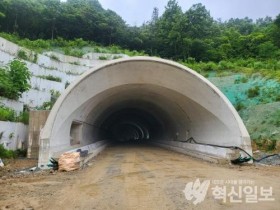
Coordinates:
238	160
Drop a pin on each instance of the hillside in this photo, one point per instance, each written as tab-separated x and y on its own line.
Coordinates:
256	97
50	74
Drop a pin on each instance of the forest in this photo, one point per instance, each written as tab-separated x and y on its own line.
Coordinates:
191	35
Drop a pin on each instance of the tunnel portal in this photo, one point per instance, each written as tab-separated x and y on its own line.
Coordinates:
143	99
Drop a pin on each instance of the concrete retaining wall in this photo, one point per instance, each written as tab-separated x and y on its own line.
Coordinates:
35	98
14	135
37	120
17	106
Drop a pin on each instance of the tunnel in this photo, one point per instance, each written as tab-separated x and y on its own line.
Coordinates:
143	100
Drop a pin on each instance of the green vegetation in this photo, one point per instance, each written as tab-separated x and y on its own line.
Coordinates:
54	57
74	52
103	57
32	57
247	49
48	105
239	106
176	34
6	154
77	47
23	117
50	77
72	72
266	145
22	55
8	114
276	120
117	57
14	80
253	92
269	68
241	80
75	63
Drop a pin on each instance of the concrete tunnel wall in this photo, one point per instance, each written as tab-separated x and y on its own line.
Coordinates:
143	98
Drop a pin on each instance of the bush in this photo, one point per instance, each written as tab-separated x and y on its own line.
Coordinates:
241	80
24	117
239	106
22	55
7	114
54	57
210	66
20	153
76	53
103	57
6	154
226	65
253	92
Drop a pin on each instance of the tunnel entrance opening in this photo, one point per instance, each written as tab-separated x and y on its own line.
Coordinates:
143	99
137	113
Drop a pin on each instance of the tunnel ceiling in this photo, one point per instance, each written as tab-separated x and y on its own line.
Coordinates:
143	98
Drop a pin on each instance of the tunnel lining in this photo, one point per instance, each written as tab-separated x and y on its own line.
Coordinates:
201	109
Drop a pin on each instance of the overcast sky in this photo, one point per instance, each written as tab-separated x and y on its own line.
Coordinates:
135	12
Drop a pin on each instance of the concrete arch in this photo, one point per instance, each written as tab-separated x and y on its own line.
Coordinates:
140	97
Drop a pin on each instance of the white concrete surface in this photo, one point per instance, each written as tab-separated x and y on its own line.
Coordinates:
17	106
14	135
35	98
181	103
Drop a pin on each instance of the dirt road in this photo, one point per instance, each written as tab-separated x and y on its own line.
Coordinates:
139	177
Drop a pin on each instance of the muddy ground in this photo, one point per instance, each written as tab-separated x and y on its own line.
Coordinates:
139	177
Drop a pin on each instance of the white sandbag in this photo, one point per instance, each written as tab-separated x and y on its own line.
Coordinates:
69	161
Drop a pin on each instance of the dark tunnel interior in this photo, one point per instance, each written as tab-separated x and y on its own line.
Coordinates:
131	124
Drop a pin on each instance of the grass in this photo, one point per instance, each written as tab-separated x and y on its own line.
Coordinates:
103	57
8	114
68	47
269	68
266	145
54	57
50	77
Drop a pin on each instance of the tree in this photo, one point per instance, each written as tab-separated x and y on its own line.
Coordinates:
169	30
155	16
199	22
267	50
274	31
19	76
